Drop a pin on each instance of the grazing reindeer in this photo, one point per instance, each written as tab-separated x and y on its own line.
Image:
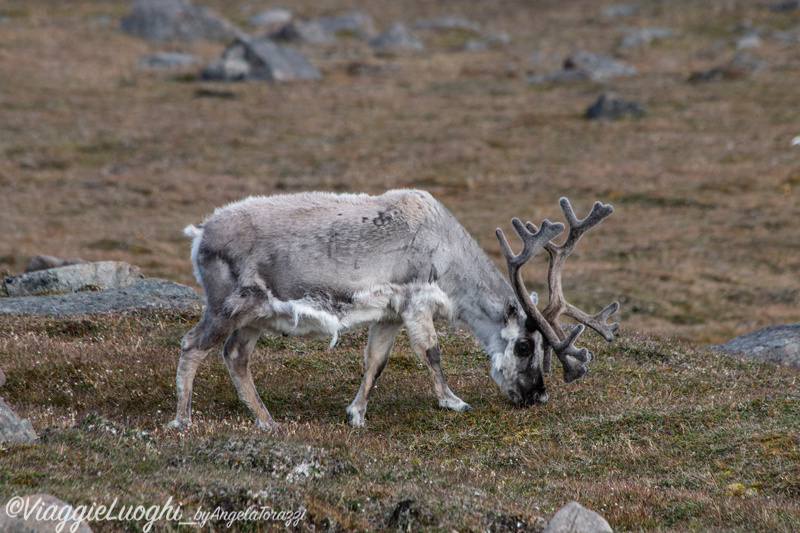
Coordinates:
319	263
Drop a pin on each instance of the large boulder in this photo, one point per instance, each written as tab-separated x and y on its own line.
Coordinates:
148	293
775	344
258	58
100	275
14	429
574	518
40	513
176	20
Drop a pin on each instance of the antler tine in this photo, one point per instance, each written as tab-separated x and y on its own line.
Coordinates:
533	241
558	256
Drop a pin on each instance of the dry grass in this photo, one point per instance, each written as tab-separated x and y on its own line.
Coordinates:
657	437
102	159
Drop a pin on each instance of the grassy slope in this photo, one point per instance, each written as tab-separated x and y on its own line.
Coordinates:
658	436
104	160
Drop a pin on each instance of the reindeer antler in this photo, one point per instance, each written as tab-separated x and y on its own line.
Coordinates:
546	322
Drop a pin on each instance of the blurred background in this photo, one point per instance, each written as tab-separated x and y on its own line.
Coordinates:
107	153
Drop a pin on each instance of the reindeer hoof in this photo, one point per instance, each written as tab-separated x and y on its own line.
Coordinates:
179	425
355	418
456	404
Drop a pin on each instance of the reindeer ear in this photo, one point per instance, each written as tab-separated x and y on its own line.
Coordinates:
534	298
511	310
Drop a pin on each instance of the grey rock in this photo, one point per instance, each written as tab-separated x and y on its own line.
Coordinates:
43	262
497	39
785	6
176	20
149	293
271	18
167	60
774	344
303	31
584	65
789	36
102	275
622	10
38	504
474	45
259	58
397	36
641	36
739	67
558	76
748	41
447	22
13	428
574	518
597	66
2	378
609	106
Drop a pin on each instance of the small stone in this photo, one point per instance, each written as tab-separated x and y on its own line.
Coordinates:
739	67
749	41
304	31
642	36
167	60
14	429
597	66
259	58
175	20
609	106
785	6
623	10
574	518
447	22
397	36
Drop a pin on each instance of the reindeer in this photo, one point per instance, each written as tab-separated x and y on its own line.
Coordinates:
316	264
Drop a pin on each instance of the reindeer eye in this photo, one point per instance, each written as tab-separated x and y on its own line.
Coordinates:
523	348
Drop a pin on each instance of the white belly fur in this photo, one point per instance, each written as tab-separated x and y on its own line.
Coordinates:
306	318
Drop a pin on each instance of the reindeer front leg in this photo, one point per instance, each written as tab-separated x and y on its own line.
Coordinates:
422	334
379	346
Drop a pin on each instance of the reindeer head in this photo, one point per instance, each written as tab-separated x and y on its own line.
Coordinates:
530	334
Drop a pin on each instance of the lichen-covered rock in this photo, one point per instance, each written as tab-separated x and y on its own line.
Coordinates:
2	378
40	513
149	293
100	275
574	518
14	429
